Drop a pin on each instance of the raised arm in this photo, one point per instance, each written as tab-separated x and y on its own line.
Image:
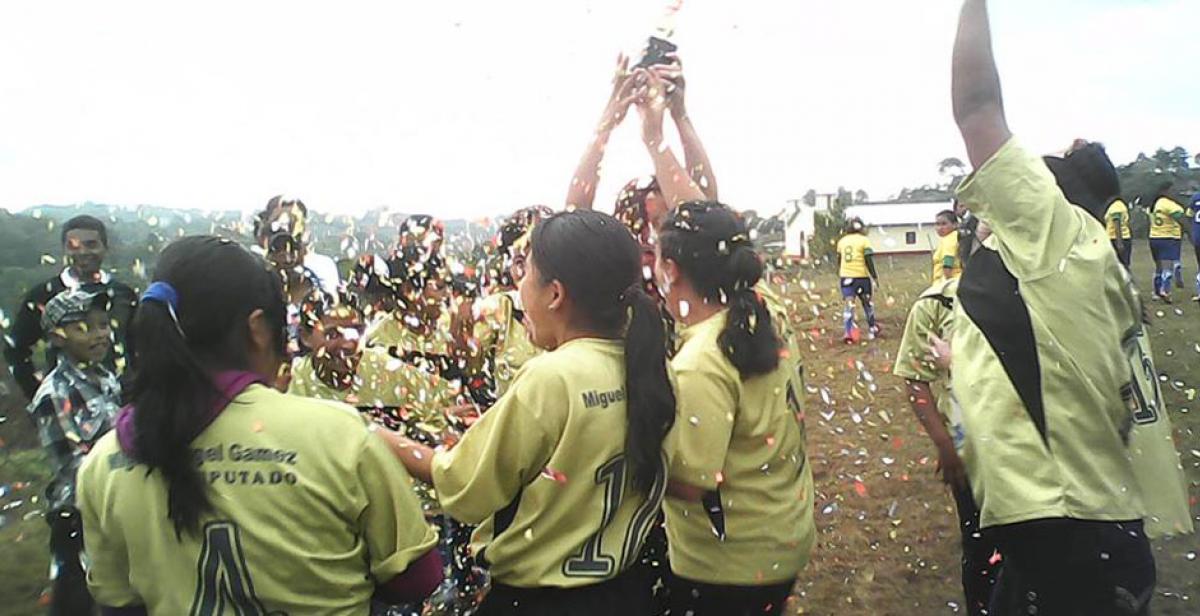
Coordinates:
676	186
699	168
582	191
975	86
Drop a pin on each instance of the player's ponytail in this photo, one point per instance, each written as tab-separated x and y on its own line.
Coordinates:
712	248
599	263
195	312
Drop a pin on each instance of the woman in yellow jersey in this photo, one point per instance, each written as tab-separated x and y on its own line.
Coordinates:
856	267
1166	232
499	344
396	395
1045	387
945	257
740	502
216	493
566	472
1116	222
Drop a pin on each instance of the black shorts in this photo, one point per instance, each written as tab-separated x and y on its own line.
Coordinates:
1074	568
701	599
625	595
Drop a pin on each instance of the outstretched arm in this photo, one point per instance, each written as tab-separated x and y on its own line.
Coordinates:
582	191
676	186
975	86
699	168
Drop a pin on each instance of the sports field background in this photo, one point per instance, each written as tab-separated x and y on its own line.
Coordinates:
887	534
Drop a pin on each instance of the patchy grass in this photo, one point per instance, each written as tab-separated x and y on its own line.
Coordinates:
887	532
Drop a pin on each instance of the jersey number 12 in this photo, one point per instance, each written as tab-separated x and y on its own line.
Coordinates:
590	560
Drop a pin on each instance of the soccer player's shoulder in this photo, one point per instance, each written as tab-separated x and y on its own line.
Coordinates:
316	415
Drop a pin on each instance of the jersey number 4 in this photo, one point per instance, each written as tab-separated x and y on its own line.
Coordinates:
590	560
223	585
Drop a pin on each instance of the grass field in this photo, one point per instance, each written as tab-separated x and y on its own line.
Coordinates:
887	532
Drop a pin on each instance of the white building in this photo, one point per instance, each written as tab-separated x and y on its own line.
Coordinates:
894	228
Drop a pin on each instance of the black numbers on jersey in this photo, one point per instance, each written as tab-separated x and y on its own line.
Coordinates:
590	560
1145	410
223	585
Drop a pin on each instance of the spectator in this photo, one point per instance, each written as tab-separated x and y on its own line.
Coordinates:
85	245
281	232
945	257
74	406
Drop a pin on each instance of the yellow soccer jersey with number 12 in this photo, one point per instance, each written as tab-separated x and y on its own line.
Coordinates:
544	475
310	511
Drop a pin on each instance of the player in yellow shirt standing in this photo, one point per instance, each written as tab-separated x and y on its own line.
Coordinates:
1116	222
856	267
945	257
1038	365
1166	231
931	319
565	473
740	502
217	494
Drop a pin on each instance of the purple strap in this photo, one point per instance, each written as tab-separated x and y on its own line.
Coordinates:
230	384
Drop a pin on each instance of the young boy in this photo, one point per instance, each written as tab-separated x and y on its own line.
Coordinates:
73	408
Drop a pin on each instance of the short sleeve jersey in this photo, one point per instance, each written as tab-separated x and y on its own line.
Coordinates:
502	338
743	442
392	393
1038	365
946	256
544	474
293	483
852	250
1165	219
1116	221
931	315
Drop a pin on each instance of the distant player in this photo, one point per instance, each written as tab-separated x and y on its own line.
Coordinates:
856	267
1165	242
566	472
216	494
740	502
1116	222
1195	213
945	256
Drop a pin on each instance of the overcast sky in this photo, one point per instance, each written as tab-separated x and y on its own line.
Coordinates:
476	107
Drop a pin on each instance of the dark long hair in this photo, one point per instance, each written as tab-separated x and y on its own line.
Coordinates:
599	263
712	248
219	284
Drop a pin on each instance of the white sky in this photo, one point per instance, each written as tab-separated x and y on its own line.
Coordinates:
476	107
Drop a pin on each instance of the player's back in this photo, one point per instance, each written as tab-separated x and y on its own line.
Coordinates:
307	508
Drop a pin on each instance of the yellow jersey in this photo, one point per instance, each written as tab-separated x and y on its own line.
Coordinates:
1164	219
852	250
543	473
1042	398
946	256
503	343
394	394
743	442
931	315
310	511
1116	221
